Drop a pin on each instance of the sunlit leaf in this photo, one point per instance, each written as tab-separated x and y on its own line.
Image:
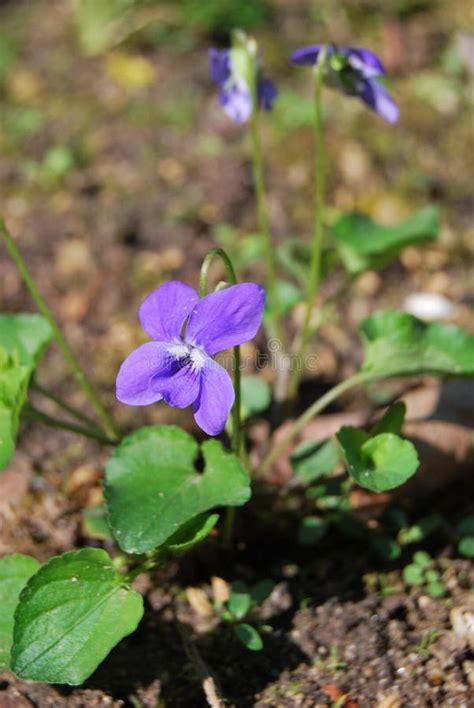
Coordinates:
71	613
152	486
377	463
413	574
398	344
364	244
25	334
23	339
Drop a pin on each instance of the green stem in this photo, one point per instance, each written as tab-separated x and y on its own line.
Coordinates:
63	404
29	411
262	211
151	561
78	372
314	409
318	222
236	409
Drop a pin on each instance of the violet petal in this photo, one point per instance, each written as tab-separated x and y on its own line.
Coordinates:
219	65
306	55
236	102
215	400
377	98
365	61
163	313
139	377
226	318
181	388
267	93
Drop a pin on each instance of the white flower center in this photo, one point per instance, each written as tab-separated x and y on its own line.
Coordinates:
198	358
179	350
194	354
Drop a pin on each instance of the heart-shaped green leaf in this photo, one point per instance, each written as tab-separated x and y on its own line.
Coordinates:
363	244
15	570
399	344
152	486
70	615
377	463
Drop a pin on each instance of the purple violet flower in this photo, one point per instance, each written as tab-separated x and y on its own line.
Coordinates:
178	366
355	72
235	95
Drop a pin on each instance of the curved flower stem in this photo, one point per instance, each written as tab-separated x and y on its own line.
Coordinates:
78	372
30	411
236	423
318	222
262	211
315	408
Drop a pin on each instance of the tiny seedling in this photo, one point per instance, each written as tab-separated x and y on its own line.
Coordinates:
241	612
421	572
428	638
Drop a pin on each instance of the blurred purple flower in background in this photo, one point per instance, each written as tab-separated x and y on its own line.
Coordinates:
178	366
235	95
355	72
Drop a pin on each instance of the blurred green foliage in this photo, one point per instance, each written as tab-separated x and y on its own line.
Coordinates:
102	24
224	15
8	55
